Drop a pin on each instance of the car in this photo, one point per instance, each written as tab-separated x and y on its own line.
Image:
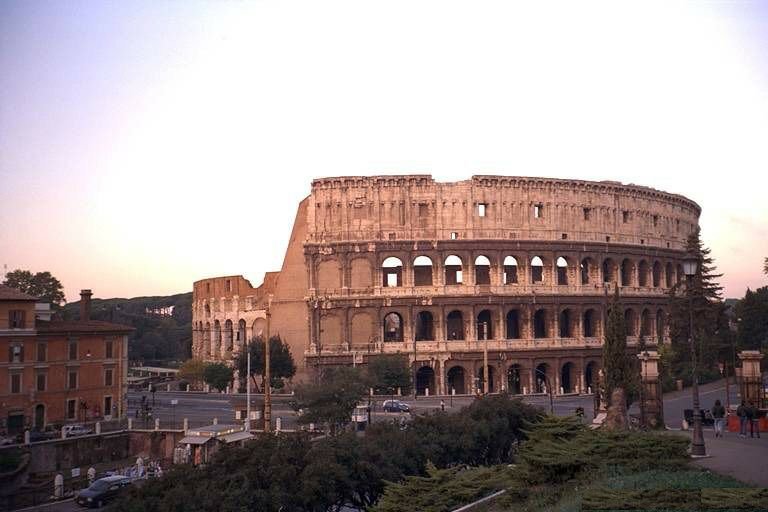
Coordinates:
395	406
102	491
76	430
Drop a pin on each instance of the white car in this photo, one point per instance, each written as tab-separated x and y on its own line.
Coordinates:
76	430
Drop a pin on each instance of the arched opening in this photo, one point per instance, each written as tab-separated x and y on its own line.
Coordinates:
240	332
626	272
217	334
453	270
645	324
656	274
642	273
589	324
228	334
510	270
455	325
537	270
562	271
630	321
456	380
540	324
259	328
481	381
566	330
679	274
39	421
393	327
425	380
425	326
482	270
660	325
607	270
668	275
484	325
422	271
590	375
586	263
513	324
542	378
514	380
207	339
392	270
568	378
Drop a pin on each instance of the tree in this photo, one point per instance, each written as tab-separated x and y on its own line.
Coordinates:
765	266
619	372
42	285
217	375
752	312
386	373
192	371
281	362
333	400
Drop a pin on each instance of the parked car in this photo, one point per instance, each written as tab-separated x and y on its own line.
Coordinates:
35	436
76	430
102	491
4	441
396	406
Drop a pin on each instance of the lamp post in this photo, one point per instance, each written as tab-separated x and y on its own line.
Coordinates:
690	265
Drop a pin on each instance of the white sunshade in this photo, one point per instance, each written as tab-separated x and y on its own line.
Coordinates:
392	262
422	261
482	260
453	260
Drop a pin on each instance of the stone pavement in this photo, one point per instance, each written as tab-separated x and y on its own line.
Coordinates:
743	459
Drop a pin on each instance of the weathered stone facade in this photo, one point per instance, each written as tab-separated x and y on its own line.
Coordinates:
388	264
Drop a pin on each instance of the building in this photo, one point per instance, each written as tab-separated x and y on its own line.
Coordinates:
58	371
442	272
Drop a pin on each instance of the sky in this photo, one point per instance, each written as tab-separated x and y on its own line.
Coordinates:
148	144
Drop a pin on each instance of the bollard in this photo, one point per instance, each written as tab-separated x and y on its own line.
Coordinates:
453	391
589	390
98	427
215	421
278	424
525	390
63	433
157	423
187	388
311	427
168	387
227	390
207	388
426	391
186	425
26	437
370	391
562	390
58	486
130	423
91	475
398	392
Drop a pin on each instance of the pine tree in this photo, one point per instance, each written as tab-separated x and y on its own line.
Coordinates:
619	372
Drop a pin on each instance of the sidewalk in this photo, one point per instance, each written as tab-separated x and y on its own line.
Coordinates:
743	459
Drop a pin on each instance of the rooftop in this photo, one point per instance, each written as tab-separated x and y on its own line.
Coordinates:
80	326
8	293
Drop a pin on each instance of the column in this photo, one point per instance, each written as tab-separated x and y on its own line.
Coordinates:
750	380
651	405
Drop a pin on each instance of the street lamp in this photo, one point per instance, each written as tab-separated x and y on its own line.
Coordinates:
690	265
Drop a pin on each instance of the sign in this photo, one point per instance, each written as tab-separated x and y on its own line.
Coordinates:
175	402
75	472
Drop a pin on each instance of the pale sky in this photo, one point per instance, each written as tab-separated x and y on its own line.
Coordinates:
148	144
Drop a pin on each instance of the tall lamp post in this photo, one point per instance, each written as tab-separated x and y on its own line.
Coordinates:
690	265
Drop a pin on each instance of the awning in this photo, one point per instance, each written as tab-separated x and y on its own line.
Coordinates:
237	436
195	440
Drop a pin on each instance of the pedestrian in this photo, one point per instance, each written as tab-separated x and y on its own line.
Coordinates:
718	413
753	414
741	412
442	405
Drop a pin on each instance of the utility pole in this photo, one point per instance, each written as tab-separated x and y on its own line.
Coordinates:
267	375
248	389
484	331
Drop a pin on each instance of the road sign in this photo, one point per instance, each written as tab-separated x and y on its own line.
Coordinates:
174	402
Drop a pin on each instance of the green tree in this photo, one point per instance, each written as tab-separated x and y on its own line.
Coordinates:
388	372
332	401
281	363
217	375
619	372
752	313
192	371
42	285
765	266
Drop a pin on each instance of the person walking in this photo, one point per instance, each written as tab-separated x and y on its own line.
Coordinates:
442	405
718	413
753	414
741	412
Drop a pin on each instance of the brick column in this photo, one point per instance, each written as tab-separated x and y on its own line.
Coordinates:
651	405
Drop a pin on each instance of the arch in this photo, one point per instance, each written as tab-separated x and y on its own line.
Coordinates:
679	274
259	328
589	324
361	330
510	270
608	267
360	273
485	318
540	324
393	327
562	270
513	324
453	270
482	270
541	378
630	322
568	377
425	326
564	322
240	332
642	273
425	379
207	339
207	308
537	270
590	376
668	275
656	274
422	271
456	380
455	325
217	334
328	275
330	330
228	334
584	269
646	325
627	267
660	323
39	417
392	272
514	380
491	379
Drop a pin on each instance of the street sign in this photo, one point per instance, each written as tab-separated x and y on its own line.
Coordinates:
174	402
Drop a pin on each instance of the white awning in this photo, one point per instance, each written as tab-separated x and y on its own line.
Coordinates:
195	440
237	436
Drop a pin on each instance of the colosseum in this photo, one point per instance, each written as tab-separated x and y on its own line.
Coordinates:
516	268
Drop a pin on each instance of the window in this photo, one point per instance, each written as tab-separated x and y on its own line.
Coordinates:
16	319
207	287
481	208
607	239
15	383
72	350
71	409
42	352
655	220
564	236
538	211
72	380
228	285
107	406
454	235
587	213
625	216
108	381
41	381
16	353
109	348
